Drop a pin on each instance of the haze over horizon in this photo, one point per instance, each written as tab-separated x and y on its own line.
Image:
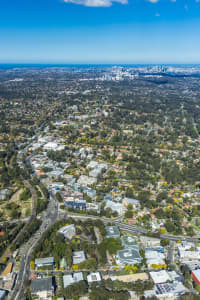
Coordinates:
100	31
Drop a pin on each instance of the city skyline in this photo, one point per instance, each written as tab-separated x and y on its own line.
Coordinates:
100	31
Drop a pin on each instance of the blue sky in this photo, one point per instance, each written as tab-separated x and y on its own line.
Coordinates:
100	31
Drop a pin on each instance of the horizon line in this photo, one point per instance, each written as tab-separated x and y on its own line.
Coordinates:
97	63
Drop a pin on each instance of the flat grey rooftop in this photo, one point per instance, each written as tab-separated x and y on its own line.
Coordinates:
41	284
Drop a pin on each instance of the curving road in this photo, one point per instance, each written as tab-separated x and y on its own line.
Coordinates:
48	218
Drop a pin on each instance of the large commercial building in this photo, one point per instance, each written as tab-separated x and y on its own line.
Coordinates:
129	242
112	232
93	206
154	258
128	257
86	180
135	203
42	287
160	277
169	290
68	231
149	241
185	254
115	207
97	168
78	204
196	276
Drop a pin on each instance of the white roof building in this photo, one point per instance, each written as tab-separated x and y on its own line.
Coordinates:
93	164
50	146
78	276
114	206
102	166
56	173
69	231
174	276
42	139
149	241
155	261
67	280
112	232
150	254
169	290
94	277
78	257
196	274
45	261
4	193
187	254
154	258
135	203
70	279
95	172
86	180
96	168
128	257
187	245
92	206
160	277
60	147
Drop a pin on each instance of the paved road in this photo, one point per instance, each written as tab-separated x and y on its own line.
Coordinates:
15	221
23	274
129	227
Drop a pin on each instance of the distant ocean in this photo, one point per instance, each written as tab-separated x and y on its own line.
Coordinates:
13	66
86	66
